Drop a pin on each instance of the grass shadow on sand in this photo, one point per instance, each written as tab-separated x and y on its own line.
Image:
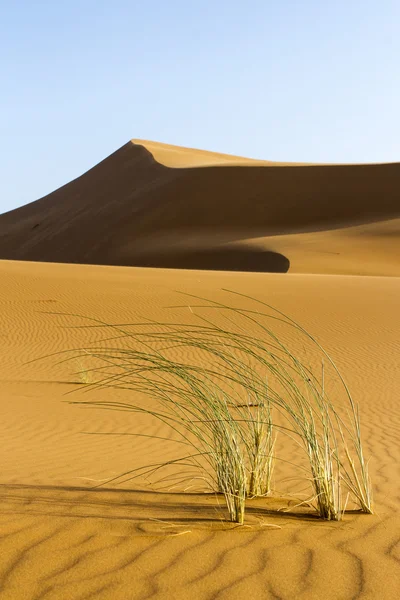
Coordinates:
142	512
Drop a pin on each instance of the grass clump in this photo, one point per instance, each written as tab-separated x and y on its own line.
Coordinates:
226	406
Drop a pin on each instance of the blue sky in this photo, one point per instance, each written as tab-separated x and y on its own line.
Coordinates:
290	80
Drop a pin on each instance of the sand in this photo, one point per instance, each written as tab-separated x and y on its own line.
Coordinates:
338	226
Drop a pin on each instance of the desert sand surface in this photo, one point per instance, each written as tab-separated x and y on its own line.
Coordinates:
333	233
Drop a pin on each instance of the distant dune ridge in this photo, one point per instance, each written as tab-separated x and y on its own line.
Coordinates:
151	204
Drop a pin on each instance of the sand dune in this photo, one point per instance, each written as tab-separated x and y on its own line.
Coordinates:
61	540
326	240
152	204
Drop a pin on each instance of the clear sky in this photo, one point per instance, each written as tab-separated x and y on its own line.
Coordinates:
301	80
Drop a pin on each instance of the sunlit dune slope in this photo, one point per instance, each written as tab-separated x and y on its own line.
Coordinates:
181	157
152	204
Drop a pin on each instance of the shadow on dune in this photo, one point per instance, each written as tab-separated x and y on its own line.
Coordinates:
245	258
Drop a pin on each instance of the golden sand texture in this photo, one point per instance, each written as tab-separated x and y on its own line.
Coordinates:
157	205
61	540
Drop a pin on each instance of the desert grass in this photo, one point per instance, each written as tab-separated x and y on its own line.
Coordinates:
197	412
221	407
83	373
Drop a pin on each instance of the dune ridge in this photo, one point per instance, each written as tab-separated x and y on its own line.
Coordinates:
151	204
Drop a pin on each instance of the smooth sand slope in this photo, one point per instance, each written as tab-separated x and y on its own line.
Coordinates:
151	204
60	541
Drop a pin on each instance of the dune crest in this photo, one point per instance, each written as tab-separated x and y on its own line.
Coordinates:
177	157
155	204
